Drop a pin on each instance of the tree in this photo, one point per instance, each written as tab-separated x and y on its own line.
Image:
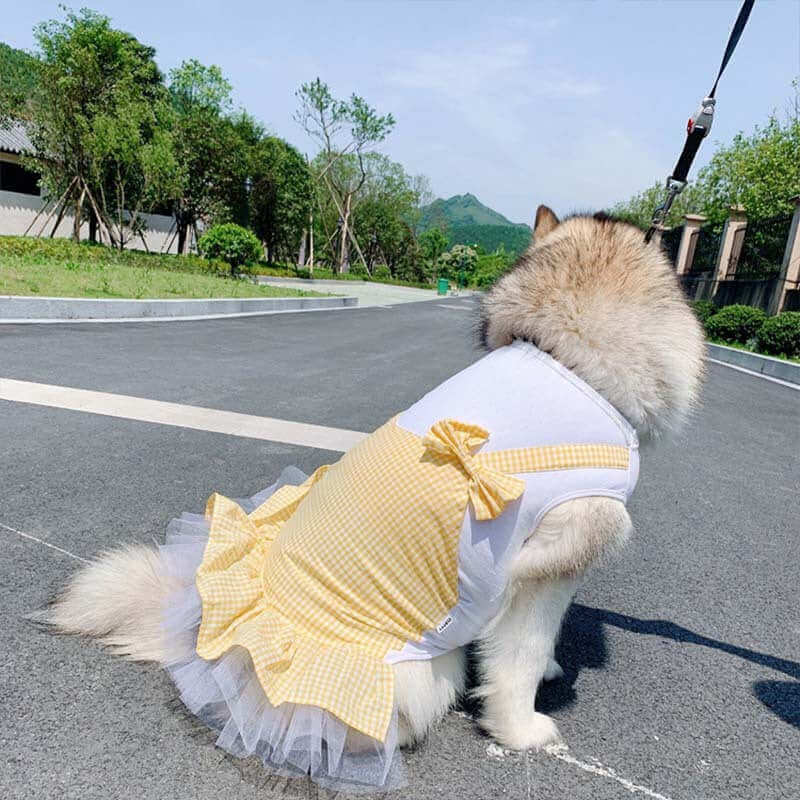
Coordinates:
459	262
208	147
341	129
433	243
96	122
280	196
18	74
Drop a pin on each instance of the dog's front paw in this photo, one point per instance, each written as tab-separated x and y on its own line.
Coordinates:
531	732
553	670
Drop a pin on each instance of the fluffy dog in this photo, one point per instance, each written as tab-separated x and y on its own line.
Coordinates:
595	297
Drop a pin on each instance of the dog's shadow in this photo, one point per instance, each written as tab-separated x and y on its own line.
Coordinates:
583	645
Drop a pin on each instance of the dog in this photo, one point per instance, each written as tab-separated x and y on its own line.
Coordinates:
593	295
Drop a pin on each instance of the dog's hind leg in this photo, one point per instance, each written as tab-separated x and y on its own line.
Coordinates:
425	691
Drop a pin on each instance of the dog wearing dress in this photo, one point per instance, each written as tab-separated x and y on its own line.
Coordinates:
591	329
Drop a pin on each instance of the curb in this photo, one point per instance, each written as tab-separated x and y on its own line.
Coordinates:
18	309
765	365
331	283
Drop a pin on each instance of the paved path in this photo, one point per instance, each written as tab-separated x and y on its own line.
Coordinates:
682	657
368	294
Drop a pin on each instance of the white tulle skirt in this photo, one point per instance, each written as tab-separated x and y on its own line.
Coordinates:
290	739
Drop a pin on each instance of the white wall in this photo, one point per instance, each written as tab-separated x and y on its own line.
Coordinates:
17	211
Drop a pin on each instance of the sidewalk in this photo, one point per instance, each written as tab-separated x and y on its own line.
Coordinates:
368	293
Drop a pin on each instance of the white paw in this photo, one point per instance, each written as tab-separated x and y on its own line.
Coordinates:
553	670
405	735
531	733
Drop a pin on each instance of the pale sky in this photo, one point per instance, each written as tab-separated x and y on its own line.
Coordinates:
574	104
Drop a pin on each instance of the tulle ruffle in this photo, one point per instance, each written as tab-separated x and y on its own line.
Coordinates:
226	695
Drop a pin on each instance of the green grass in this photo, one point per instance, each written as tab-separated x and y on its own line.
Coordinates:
747	349
61	268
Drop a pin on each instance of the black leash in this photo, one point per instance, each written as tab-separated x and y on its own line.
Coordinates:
698	127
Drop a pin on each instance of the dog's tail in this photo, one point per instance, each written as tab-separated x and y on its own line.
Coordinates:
120	598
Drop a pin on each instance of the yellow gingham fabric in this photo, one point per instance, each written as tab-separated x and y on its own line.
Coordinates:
322	580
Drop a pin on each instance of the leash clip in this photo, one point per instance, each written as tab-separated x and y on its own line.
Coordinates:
674	188
703	118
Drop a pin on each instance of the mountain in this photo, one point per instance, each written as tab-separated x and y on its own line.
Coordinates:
466	220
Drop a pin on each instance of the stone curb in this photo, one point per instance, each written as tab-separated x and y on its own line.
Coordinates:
765	365
50	309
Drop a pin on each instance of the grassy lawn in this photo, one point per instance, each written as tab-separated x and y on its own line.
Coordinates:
60	268
747	349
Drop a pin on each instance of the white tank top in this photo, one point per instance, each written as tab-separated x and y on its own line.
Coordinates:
526	399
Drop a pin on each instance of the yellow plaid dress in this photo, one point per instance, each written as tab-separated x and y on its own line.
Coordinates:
322	580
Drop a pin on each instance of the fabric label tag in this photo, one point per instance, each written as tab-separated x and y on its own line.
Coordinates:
443	624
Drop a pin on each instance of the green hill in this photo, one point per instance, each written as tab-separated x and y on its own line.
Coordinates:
466	220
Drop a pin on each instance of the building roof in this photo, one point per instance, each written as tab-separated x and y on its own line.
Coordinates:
14	139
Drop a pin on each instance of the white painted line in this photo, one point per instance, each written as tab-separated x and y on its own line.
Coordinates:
756	374
181	416
454	308
42	541
561	752
174	319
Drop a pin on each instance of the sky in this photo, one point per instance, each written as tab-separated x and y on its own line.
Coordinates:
574	104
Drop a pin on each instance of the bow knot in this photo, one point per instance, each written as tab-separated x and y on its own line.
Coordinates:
489	489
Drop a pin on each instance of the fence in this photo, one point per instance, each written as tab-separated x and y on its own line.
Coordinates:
698	280
753	263
671	241
762	249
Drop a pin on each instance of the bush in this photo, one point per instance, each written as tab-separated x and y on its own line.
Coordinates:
780	335
735	323
231	243
381	273
704	309
359	270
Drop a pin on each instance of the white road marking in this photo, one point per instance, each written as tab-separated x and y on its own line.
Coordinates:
755	374
454	308
561	752
43	542
181	416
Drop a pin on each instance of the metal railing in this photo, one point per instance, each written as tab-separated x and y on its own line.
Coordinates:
762	249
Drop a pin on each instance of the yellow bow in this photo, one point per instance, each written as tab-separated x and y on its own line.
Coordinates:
489	490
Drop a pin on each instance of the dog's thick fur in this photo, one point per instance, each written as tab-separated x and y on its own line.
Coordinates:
593	295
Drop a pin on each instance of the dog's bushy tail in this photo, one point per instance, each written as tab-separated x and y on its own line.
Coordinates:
120	598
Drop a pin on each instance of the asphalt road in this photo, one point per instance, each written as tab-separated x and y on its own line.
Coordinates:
682	656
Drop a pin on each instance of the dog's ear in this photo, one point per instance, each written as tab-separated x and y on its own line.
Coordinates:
546	221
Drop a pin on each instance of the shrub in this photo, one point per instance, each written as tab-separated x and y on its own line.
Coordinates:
231	243
780	335
381	272
735	323
358	270
704	309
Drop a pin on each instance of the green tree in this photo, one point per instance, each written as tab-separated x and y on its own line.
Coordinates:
460	261
344	130
209	149
18	76
433	243
96	123
280	194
